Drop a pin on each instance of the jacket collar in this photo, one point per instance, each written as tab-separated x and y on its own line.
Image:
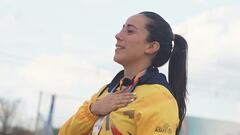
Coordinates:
152	76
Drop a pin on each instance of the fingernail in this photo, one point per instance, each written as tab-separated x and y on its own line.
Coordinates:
132	99
134	94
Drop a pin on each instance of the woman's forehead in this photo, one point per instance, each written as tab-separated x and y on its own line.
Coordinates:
137	20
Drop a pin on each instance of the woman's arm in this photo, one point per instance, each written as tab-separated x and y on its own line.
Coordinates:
81	122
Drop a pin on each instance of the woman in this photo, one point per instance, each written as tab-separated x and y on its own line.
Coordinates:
139	100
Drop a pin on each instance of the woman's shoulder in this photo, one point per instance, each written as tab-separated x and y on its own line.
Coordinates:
153	90
156	96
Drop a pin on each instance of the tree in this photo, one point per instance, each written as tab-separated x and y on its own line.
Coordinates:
7	114
21	131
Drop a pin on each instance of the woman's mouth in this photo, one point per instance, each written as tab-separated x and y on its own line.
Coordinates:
119	47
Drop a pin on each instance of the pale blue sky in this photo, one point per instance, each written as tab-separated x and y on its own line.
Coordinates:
66	47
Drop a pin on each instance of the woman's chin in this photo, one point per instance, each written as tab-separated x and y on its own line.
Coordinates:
117	59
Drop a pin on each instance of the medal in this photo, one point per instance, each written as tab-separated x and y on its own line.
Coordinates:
98	124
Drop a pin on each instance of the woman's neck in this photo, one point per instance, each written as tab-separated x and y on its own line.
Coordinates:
131	71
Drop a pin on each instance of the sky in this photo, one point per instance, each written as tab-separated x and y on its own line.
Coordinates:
66	48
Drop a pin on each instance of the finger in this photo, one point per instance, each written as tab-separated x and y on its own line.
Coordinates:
124	102
127	99
127	94
121	106
123	99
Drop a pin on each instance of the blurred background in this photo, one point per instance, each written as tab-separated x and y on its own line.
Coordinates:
55	54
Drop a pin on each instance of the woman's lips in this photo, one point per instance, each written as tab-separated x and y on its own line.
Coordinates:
119	47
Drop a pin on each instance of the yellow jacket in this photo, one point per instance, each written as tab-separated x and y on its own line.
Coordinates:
154	112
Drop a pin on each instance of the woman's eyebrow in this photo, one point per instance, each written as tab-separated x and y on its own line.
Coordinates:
130	25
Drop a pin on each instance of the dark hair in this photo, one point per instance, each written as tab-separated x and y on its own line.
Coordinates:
173	47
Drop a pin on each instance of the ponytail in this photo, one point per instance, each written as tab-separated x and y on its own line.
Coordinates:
177	75
160	31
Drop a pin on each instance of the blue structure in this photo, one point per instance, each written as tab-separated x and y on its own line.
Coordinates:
204	126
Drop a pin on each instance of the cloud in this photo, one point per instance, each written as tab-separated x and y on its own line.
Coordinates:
7	21
8	15
7	3
68	40
213	40
198	1
72	77
213	62
95	2
57	73
215	108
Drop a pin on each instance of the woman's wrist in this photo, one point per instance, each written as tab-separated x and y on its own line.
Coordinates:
92	109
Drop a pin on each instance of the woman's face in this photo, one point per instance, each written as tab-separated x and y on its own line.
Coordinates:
131	41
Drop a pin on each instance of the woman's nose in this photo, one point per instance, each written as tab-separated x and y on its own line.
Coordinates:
118	36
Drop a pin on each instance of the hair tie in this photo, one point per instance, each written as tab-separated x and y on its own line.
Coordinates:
173	44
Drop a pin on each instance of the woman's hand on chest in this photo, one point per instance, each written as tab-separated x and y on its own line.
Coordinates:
112	102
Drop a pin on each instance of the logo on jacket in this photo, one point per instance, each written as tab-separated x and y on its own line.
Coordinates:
129	113
164	129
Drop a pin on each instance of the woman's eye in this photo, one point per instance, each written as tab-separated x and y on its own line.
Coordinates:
130	31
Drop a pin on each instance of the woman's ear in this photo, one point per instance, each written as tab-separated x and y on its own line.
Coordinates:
152	47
